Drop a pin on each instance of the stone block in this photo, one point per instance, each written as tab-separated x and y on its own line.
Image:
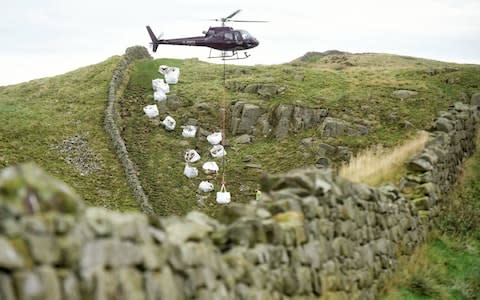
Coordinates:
10	259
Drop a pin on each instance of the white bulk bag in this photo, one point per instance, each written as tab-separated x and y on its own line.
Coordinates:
169	123
218	151
189	131
190	172
191	156
151	111
159	85
205	186
159	95
214	138
162	69
223	197
210	167
171	75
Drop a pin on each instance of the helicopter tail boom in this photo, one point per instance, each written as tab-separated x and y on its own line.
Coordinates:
155	41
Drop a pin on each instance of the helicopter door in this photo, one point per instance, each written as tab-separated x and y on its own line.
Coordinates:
228	36
237	37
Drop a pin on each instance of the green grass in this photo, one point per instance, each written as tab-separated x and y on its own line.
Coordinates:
38	116
359	92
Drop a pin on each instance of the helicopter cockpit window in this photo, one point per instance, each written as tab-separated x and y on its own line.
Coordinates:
237	36
228	36
246	35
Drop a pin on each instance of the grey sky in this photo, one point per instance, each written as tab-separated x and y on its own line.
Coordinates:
49	37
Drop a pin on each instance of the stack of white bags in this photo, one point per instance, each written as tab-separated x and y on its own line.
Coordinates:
161	87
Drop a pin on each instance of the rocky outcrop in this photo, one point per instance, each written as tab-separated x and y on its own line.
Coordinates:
251	119
332	127
286	118
244	117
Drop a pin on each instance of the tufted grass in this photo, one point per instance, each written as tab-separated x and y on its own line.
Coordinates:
379	165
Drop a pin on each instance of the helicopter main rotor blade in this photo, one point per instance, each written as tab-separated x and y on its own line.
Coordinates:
233	14
247	21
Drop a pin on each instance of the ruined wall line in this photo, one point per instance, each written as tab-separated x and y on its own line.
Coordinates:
118	77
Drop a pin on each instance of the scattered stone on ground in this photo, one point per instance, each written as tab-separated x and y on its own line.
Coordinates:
78	153
403	94
244	139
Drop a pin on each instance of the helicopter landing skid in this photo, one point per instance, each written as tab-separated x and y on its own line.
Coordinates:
229	55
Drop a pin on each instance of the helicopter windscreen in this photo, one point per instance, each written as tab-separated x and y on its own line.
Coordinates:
246	35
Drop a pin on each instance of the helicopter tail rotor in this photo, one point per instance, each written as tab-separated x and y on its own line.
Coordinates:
155	41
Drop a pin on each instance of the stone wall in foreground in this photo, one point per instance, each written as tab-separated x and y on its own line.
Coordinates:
312	235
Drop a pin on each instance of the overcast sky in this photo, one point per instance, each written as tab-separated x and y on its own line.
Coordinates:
50	37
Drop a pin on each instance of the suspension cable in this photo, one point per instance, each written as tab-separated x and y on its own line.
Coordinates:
223	119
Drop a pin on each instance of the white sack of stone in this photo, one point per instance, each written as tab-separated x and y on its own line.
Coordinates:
159	85
169	123
210	167
191	156
190	172
205	187
163	69
189	131
218	151
223	197
214	138
151	110
171	75
159	95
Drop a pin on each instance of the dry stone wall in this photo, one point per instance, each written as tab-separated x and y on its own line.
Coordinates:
312	234
118	77
433	173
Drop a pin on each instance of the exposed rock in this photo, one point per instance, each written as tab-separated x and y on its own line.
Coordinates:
252	166
282	116
403	94
344	153
269	90
322	163
244	139
9	258
475	99
326	149
305	117
244	117
203	106
307	142
332	127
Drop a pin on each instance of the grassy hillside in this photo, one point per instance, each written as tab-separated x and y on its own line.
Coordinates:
357	88
58	123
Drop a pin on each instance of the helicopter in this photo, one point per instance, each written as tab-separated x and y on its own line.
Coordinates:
226	39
